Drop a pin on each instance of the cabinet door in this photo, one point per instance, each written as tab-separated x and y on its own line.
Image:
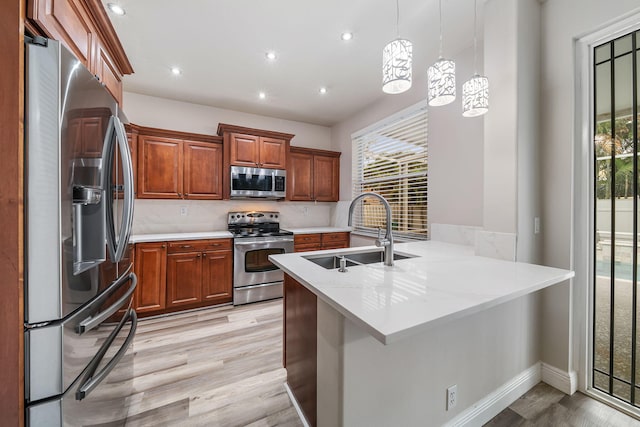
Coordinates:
244	150
159	168
150	267
300	176
273	153
217	276
184	278
103	67
326	178
67	21
202	170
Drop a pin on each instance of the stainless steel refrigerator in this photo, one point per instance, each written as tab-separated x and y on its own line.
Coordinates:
78	217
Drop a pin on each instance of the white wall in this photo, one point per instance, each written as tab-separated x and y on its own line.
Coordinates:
562	22
164	113
455	147
163	216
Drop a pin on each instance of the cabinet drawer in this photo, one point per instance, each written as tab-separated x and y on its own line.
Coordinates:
199	245
307	247
301	239
331	238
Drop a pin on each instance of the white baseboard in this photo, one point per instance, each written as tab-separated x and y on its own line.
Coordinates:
491	405
296	405
566	382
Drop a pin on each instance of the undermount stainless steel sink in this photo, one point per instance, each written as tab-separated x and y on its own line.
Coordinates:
355	258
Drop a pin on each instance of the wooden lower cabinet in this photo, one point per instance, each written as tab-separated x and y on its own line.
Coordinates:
191	274
150	267
320	241
184	278
217	276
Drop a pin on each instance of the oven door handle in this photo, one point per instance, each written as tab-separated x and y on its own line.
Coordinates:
261	242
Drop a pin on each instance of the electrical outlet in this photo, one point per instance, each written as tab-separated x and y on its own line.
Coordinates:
536	225
305	211
184	211
452	396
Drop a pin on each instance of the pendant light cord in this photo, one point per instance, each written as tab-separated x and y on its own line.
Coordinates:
397	19
475	36
440	12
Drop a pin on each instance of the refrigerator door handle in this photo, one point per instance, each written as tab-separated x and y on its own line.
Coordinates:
91	322
117	246
129	194
91	379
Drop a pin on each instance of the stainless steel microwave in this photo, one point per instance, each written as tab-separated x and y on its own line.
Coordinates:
258	182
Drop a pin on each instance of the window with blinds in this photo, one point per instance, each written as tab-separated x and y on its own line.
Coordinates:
391	159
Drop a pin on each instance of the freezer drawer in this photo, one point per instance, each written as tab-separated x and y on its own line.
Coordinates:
86	403
57	354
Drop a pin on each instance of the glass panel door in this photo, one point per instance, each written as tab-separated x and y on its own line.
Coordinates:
615	332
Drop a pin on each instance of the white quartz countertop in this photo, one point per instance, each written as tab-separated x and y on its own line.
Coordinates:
443	283
166	237
312	230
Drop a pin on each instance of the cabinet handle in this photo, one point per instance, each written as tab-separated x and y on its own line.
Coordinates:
186	194
186	246
179	194
164	246
198	255
204	255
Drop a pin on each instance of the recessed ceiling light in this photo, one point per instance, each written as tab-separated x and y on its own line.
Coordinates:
323	90
270	55
262	95
346	36
116	8
176	71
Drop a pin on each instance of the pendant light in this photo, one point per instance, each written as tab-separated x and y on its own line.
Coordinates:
441	77
396	62
475	91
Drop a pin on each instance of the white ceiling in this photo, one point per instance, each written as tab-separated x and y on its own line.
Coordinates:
221	46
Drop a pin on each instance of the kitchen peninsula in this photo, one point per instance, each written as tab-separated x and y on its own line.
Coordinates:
380	345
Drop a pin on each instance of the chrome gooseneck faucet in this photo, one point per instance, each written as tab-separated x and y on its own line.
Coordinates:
387	242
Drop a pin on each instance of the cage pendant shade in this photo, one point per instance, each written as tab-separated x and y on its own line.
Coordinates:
396	66
475	96
441	78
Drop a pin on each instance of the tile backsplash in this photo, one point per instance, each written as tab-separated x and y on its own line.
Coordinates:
166	216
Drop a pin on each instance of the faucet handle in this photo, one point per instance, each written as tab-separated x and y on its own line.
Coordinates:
380	241
379	233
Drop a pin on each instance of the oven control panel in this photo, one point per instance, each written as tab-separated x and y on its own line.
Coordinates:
253	217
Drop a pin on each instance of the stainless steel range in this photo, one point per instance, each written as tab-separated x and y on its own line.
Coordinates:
256	236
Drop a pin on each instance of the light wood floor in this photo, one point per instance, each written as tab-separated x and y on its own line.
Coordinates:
216	367
223	367
545	406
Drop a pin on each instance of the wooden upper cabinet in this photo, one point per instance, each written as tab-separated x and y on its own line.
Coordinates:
300	176
83	26
245	150
313	175
178	165
202	170
104	68
159	167
67	21
326	178
257	151
273	153
150	267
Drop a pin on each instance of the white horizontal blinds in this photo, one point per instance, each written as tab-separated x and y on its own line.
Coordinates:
392	160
